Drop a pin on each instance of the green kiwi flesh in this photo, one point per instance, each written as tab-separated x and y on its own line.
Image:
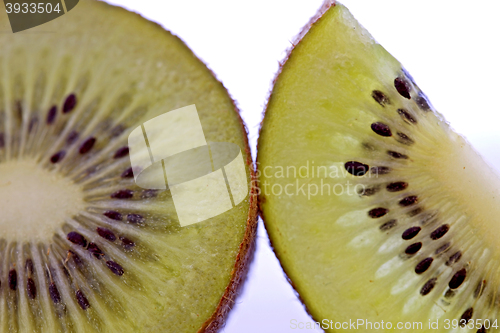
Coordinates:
376	209
84	249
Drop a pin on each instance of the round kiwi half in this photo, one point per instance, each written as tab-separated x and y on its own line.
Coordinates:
377	210
84	249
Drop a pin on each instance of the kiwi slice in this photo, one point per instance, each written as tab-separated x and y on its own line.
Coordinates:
376	208
84	249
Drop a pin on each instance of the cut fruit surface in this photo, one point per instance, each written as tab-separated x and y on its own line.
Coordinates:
376	209
84	249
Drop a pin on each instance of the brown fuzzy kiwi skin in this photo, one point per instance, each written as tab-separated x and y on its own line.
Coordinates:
327	4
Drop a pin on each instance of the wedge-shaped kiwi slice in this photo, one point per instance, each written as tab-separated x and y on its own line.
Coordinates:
377	210
83	248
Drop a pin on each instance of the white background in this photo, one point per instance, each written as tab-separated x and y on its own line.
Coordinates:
449	47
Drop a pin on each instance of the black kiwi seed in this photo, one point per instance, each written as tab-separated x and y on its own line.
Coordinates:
69	103
449	293
454	258
427	218
87	145
423	265
51	115
440	232
127	173
127	243
135	218
82	300
457	279
115	268
13	279
395	154
122	152
75	258
29	266
2	140
368	146
422	103
76	238
381	170
368	191
428	286
106	234
356	168
380	98
72	137
396	186
114	215
54	293
95	250
117	130
31	288
388	225
414	212
407	116
410	233
122	194
466	316
482	329
442	248
404	139
381	129
413	248
403	87
408	201
57	156
375	213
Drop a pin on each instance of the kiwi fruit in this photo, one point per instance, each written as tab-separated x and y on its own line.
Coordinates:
84	249
379	213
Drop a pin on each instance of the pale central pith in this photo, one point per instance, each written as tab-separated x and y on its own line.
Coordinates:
34	202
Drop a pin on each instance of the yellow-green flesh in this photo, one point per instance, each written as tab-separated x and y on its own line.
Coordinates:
123	70
342	262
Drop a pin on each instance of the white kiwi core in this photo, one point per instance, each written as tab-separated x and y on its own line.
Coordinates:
35	202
